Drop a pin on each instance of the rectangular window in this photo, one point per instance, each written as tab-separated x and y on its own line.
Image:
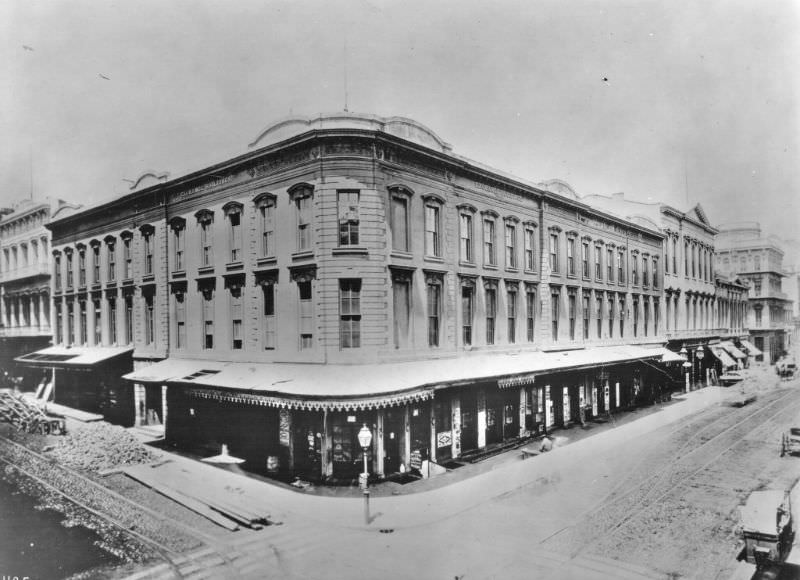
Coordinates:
348	218
530	250
611	315
635	270
98	328
554	252
675	256
303	206
84	323
530	313
112	262
128	260
511	246
635	317
401	297
128	319
655	274
646	316
306	315
206	243
491	314
269	316
112	319
621	267
598	264
609	265
400	223
571	257
235	236
59	323
554	298
178	239
599	315
350	313
465	233
432	230
622	317
512	316
467	312
758	317
81	268
586	317
237	320
149	319
572	303
656	316
434	312
70	336
645	272
208	318
58	273
686	258
95	264
585	259
148	254
489	257
180	320
267	217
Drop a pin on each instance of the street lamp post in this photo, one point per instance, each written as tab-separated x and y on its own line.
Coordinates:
364	439
700	353
686	365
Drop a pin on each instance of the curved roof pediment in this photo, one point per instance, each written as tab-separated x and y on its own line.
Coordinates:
402	127
147	179
559	187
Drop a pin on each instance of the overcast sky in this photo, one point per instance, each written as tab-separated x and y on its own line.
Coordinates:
697	92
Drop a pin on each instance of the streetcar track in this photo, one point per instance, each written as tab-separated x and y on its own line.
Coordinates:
680	476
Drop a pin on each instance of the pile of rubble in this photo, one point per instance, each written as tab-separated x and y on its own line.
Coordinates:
100	446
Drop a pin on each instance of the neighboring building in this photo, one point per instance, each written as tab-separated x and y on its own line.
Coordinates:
25	278
353	270
700	310
743	252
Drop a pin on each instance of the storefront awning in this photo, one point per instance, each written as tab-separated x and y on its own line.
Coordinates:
72	357
723	356
344	387
668	356
172	368
750	348
735	352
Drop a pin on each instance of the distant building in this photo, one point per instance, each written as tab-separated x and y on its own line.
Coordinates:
25	277
352	270
745	253
701	311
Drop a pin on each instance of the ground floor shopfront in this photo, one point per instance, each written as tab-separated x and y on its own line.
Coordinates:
88	379
773	343
316	438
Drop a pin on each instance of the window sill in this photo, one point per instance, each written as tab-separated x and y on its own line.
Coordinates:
436	259
127	282
234	266
205	270
266	261
490	267
179	274
304	255
464	264
350	251
149	279
514	270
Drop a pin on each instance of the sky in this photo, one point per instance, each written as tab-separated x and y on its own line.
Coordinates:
665	101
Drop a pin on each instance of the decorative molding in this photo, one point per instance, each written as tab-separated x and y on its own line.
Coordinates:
305	273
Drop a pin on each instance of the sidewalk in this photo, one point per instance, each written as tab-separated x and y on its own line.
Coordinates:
438	498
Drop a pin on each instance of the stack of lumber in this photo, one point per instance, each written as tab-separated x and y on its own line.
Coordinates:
212	495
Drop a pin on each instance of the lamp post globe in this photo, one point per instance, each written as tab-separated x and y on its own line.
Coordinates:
364	437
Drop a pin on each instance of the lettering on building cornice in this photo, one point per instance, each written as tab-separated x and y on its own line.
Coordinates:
358	148
395	155
282	160
215	181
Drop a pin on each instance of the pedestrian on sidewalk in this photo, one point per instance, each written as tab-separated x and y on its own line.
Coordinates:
547	444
